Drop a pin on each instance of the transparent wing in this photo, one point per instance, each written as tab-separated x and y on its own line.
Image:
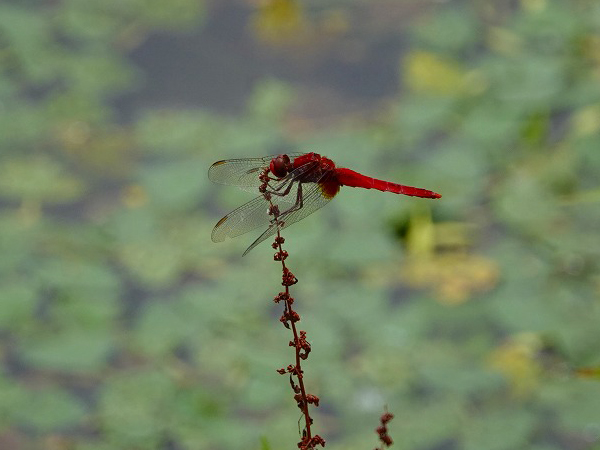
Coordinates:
238	172
313	198
242	172
253	214
280	186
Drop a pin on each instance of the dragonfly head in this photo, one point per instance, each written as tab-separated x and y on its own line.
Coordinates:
280	166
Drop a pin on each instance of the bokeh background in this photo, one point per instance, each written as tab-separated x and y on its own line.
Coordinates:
122	326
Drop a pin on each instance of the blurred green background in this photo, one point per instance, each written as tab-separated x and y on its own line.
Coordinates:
122	326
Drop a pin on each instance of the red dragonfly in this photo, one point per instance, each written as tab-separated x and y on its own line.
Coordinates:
299	184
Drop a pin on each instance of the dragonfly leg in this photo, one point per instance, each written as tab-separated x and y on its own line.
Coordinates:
288	188
296	206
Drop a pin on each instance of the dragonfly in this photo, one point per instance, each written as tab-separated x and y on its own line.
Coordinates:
297	184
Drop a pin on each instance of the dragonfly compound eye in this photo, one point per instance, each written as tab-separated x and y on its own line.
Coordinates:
280	166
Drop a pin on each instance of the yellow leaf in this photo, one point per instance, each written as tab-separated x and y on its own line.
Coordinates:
134	196
534	6
279	21
420	236
516	360
504	41
586	121
455	275
591	47
588	372
430	73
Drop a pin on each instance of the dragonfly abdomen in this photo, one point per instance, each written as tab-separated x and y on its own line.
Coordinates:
348	177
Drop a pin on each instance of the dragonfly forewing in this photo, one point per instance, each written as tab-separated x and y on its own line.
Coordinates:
243	172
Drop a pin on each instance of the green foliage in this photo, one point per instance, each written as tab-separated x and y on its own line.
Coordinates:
38	180
123	326
43	409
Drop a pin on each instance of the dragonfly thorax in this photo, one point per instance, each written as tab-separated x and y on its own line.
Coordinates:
280	166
